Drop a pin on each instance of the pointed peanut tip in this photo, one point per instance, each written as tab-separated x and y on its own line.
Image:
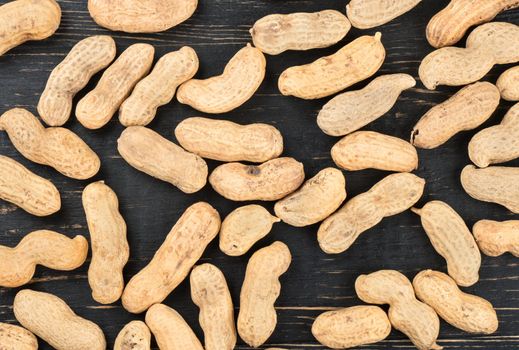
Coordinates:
416	211
436	347
275	219
378	36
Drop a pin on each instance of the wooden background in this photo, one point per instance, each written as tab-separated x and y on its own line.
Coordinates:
315	282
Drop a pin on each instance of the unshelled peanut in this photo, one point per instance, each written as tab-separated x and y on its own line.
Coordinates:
508	84
495	238
16	338
365	14
499	38
134	336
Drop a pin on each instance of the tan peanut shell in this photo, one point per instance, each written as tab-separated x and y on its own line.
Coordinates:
257	318
493	184
467	312
372	150
269	181
355	62
46	248
210	293
16	338
499	38
110	249
466	110
56	147
243	227
498	143
495	238
143	16
23	20
51	319
172	262
452	239
351	326
352	110
392	195
228	141
413	318
365	14
159	87
240	79
85	59
317	199
277	33
134	336
508	84
149	152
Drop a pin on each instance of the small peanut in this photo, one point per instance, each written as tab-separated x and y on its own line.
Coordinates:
508	84
365	14
499	38
134	336
495	238
16	338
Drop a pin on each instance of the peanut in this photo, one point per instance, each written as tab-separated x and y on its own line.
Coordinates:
243	227
467	312
508	84
496	238
352	110
51	319
47	248
134	336
277	33
355	62
368	149
98	106
466	110
240	79
110	250
351	326
22	187
16	338
170	265
229	142
269	181
392	195
257	318
317	199
56	147
147	151
159	87
365	14
500	38
23	20
413	318
85	59
210	293
452	239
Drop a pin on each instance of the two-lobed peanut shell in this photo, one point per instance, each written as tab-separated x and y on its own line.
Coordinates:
495	238
365	14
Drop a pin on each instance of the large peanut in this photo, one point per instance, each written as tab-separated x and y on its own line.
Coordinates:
85	59
147	151
134	336
229	142
317	199
56	147
16	338
467	312
508	84
390	196
355	62
499	38
170	265
365	14
495	238
352	110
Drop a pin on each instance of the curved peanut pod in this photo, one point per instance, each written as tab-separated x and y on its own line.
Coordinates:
317	199
351	326
97	107
466	110
182	248
368	149
499	38
493	184
467	312
147	151
392	195
51	319
134	336
210	293
110	249
497	144
24	20
240	79
352	110
365	14
59	148
496	238
159	87
85	59
355	62
452	239
508	84
22	187
243	227
16	338
257	318
229	142
143	16
269	181
277	33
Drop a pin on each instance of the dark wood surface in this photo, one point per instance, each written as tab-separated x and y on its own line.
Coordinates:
315	282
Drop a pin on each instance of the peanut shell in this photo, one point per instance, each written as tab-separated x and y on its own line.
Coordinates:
495	238
134	336
365	14
500	38
508	84
16	338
